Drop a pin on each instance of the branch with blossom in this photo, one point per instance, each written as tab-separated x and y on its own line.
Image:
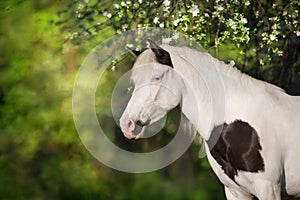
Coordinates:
261	33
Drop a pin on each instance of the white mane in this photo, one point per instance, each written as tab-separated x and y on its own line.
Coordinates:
204	59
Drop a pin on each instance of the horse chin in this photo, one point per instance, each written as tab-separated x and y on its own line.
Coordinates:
133	136
140	134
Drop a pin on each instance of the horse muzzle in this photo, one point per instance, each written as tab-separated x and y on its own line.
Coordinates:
133	129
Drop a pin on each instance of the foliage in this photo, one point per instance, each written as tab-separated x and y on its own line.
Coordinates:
262	36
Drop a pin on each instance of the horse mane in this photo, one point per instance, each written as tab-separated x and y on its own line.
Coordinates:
225	69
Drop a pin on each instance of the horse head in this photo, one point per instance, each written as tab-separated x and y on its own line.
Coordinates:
157	90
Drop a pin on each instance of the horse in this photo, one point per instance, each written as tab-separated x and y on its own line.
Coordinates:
253	148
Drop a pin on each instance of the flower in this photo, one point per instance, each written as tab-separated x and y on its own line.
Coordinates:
244	20
272	37
231	63
194	10
176	22
156	20
107	14
167	3
116	6
232	24
219	8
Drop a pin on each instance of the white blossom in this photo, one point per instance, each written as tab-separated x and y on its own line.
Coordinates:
167	3
244	20
261	62
232	24
284	13
156	20
107	14
194	10
176	22
247	3
113	68
236	2
219	8
272	37
116	6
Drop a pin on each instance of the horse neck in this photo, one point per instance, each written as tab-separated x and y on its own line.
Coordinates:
203	99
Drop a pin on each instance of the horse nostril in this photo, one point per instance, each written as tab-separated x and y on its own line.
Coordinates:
140	123
131	125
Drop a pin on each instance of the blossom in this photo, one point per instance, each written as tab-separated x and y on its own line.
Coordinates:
176	22
272	37
232	24
194	10
219	8
167	3
116	6
156	20
107	14
244	20
231	63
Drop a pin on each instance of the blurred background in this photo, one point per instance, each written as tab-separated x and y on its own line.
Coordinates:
42	46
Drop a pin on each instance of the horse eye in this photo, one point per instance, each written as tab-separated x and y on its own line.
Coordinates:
157	78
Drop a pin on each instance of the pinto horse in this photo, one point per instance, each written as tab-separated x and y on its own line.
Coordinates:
254	148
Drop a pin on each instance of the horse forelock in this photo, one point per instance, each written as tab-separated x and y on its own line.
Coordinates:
145	58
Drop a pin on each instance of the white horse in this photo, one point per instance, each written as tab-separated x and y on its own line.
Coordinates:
254	149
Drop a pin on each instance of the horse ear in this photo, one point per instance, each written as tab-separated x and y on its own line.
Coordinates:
162	56
134	52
